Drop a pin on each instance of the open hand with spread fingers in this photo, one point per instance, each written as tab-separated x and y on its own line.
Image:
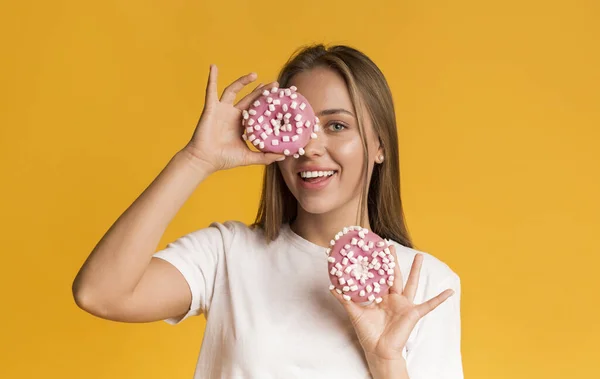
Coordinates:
384	328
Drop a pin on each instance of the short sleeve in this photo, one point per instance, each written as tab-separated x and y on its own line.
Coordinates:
197	256
436	351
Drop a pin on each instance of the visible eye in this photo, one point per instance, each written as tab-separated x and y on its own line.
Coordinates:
336	126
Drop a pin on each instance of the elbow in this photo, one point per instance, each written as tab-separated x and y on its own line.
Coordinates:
87	301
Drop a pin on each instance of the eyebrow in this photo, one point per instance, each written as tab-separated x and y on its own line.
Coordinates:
327	112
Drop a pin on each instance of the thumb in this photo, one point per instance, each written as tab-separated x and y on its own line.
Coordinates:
264	158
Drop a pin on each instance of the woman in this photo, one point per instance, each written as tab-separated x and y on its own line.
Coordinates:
263	288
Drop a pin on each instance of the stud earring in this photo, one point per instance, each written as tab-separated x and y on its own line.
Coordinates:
380	159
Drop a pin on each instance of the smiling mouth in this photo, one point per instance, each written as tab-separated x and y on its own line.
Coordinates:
316	176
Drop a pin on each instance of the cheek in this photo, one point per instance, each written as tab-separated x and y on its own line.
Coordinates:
348	153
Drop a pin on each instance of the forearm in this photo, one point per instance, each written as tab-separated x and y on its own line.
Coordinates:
388	369
120	259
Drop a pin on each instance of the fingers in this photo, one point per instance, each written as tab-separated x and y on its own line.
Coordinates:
413	278
232	90
431	304
398	279
211	86
249	99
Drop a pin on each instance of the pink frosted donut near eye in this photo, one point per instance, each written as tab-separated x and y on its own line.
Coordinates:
361	265
280	121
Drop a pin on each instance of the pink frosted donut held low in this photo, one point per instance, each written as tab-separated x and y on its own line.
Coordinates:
280	121
361	266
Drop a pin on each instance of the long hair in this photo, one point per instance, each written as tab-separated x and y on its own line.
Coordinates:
380	198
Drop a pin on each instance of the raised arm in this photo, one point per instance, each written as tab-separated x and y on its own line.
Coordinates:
120	280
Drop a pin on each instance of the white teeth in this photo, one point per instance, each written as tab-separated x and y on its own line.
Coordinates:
315	174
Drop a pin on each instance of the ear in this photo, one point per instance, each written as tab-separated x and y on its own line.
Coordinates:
380	156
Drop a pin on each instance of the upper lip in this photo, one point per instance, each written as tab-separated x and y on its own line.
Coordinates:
314	168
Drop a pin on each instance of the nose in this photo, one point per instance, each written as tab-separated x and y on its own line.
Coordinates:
316	146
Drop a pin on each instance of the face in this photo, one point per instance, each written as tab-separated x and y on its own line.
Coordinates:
337	148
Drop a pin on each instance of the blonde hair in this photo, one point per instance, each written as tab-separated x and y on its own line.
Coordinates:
380	198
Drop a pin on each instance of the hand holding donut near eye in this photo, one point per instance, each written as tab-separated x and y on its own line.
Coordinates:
216	143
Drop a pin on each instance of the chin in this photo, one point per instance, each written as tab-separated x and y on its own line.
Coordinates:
317	206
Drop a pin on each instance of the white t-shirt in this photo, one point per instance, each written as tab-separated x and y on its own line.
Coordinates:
270	314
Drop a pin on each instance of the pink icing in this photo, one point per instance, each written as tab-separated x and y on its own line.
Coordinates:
293	141
360	267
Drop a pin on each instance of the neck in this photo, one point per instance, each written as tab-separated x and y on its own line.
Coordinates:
321	228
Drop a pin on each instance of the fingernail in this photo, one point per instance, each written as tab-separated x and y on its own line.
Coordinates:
281	159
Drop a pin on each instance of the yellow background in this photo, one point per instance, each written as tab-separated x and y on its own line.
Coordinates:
498	110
